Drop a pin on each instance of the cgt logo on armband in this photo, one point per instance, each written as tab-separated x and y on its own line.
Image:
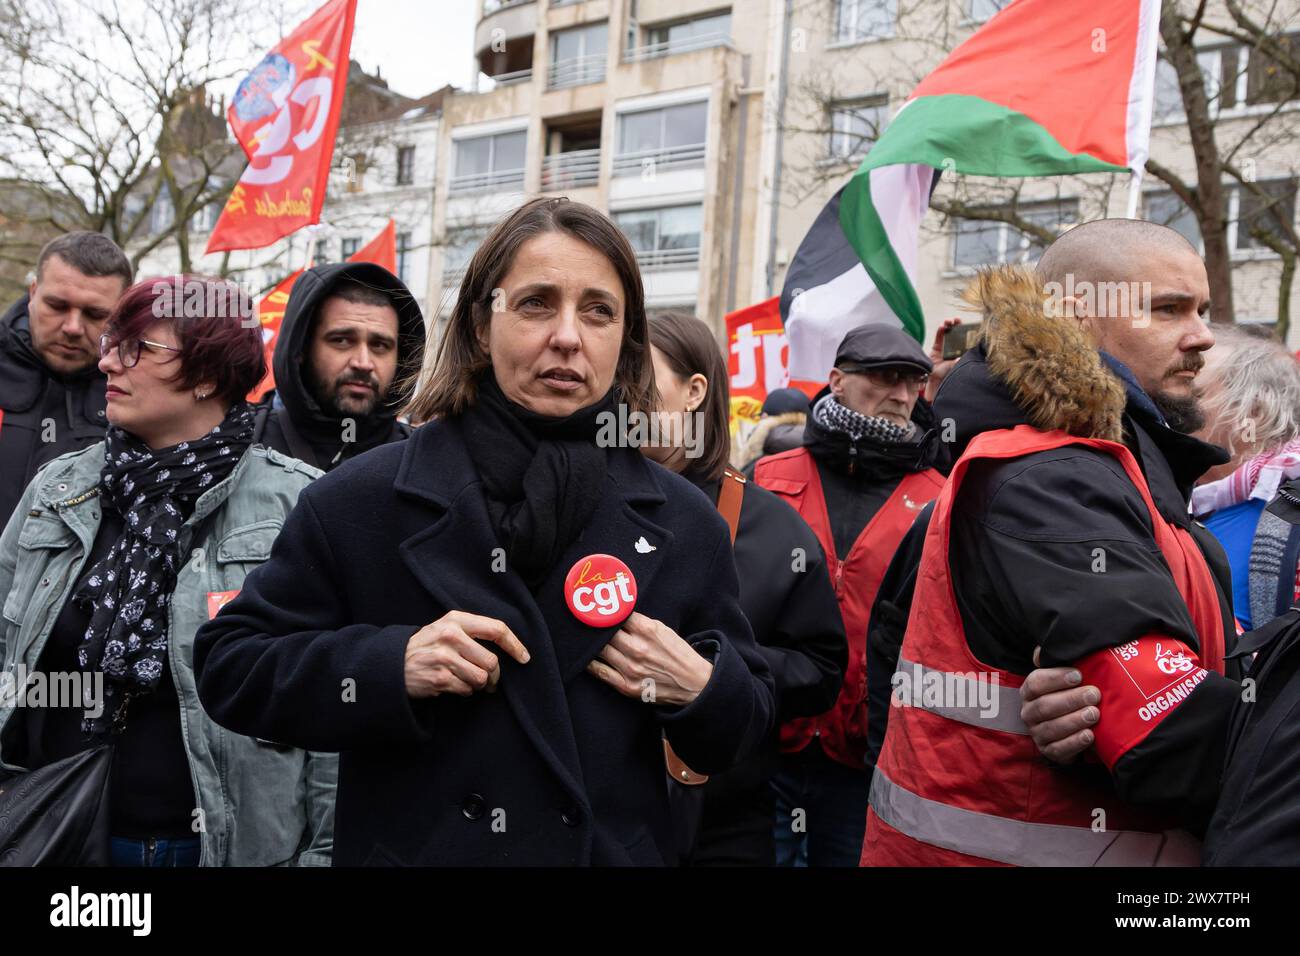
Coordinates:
600	590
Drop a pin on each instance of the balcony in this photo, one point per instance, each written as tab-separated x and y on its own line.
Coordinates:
486	83
576	71
672	157
506	180
494	6
663	259
572	170
652	51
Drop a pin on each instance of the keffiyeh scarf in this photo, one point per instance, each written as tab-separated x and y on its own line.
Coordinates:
835	417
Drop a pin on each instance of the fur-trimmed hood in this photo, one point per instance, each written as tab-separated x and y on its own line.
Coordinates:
1032	367
1054	374
782	432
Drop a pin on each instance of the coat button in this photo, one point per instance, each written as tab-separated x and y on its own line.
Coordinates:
100	413
473	806
572	816
62	486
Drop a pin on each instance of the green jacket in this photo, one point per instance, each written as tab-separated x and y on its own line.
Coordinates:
262	804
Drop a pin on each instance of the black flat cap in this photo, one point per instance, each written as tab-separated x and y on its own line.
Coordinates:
785	400
878	346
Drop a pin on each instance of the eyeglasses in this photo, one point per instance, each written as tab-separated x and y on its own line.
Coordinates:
128	350
890	377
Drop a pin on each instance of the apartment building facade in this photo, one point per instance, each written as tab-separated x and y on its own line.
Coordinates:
650	110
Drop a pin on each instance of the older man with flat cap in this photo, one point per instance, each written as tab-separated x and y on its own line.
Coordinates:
863	473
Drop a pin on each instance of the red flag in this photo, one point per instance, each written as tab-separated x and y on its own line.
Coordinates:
270	313
285	115
381	250
758	359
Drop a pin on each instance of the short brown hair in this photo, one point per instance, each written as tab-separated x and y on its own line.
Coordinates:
690	348
447	384
90	253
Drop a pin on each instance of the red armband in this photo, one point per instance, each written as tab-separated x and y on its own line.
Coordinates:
1141	684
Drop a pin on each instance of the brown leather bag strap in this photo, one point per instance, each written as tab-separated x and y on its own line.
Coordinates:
678	771
730	497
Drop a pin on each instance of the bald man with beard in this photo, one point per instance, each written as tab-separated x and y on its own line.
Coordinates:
1058	549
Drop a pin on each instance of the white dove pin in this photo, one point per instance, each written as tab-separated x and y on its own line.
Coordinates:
643	546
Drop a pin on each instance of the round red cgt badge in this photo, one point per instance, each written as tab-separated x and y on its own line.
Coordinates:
600	590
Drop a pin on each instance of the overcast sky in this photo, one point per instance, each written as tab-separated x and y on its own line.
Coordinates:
420	45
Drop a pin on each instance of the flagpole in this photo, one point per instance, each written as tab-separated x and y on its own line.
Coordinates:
1134	193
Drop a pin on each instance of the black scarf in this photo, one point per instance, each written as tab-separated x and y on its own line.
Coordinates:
542	476
129	591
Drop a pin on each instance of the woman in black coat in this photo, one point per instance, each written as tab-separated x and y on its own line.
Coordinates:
785	592
454	613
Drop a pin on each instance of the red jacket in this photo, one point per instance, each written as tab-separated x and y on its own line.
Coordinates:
959	781
793	476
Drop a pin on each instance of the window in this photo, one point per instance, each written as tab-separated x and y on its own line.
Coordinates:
1169	96
672	136
1235	77
205	220
1247	212
1271	213
668	237
1167	209
695	34
404	256
488	162
350	247
981	242
578	55
1267	78
980	10
322	253
856	126
462	243
356	170
405	165
860	19
163	215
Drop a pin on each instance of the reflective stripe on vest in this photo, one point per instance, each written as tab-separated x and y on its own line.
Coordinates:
1020	843
958	778
1002	712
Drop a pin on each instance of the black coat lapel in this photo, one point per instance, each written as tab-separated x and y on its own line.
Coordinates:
617	528
453	560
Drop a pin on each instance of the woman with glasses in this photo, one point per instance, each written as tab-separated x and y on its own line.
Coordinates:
115	556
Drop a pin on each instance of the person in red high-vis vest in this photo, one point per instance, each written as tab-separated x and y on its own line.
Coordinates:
1063	526
859	480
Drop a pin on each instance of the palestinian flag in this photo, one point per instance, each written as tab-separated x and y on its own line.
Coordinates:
1045	88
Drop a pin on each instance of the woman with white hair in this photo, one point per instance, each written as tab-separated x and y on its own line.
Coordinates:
1251	399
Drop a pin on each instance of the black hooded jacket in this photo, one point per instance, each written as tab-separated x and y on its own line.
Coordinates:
42	414
1017	588
290	420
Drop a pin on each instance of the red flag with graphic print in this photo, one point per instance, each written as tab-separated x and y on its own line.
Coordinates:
285	115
